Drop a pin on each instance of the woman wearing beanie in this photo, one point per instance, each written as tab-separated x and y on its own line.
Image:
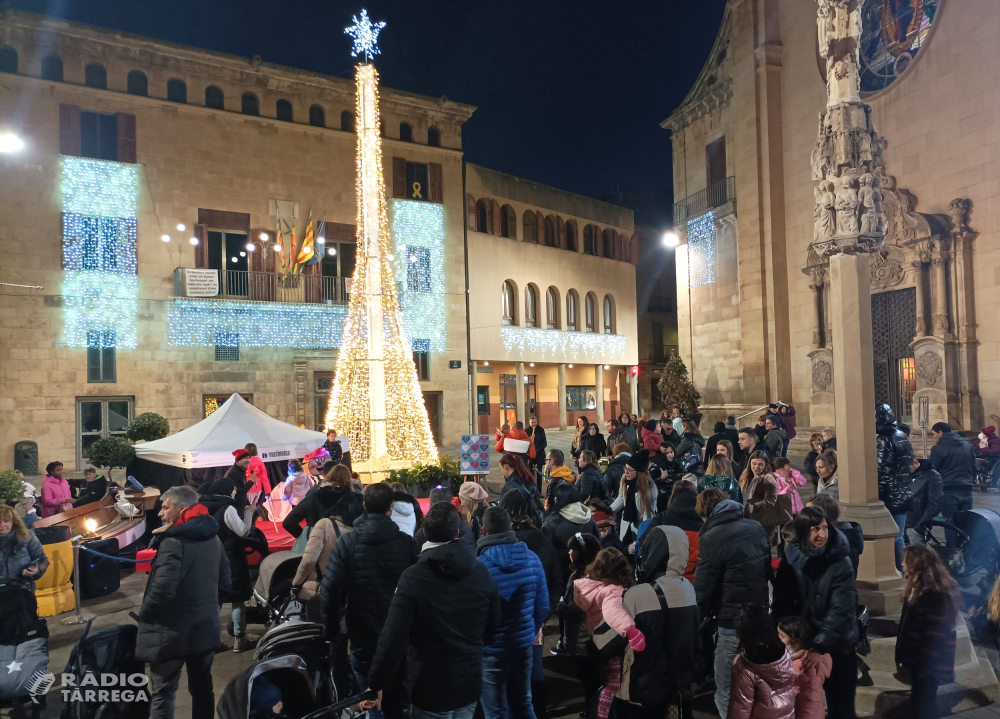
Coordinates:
472	498
636	496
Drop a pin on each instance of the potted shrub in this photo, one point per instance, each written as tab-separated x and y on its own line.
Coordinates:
147	427
111	452
11	487
421	478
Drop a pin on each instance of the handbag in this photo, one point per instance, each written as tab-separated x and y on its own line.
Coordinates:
302	540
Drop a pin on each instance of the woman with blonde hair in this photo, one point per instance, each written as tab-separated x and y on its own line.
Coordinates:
925	644
720	474
22	559
472	499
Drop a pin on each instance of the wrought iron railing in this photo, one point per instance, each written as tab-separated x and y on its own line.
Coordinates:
289	289
715	195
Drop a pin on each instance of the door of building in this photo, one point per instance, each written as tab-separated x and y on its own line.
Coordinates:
894	318
98	417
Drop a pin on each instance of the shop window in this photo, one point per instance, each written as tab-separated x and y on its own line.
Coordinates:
580	398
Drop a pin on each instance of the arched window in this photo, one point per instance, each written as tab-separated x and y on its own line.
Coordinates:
96	76
607	237
433	137
52	68
214	98
590	310
509	303
588	240
508	222
137	84
8	59
405	132
177	91
609	317
317	118
347	121
482	217
552	308
530	306
529	224
571	236
251	105
571	310
283	110
550	233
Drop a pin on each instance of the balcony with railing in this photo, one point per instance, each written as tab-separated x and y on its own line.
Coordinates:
712	197
261	287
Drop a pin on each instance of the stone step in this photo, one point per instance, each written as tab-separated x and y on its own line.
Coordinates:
882	657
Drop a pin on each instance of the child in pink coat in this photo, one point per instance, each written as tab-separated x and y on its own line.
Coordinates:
290	492
788	479
599	594
797	636
56	494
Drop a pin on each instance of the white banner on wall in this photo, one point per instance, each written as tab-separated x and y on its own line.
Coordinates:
201	283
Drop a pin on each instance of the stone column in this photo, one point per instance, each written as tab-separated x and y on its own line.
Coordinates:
599	387
519	388
473	397
939	263
879	584
816	285
561	398
918	280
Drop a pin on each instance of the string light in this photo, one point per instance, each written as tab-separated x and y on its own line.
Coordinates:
701	250
194	241
200	323
557	341
181	228
365	34
99	253
165	238
376	399
418	233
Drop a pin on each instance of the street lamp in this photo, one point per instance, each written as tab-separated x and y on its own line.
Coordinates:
670	239
9	142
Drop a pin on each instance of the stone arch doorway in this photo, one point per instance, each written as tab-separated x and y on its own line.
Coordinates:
894	318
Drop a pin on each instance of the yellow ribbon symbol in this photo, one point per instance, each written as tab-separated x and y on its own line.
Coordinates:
416	191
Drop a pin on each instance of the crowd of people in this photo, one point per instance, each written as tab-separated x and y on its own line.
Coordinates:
677	565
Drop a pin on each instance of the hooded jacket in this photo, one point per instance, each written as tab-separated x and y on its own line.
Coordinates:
560	474
464	535
240	587
773	441
322	539
762	691
992	447
55	493
630	436
524	595
817	583
927	491
666	665
651	439
445	610
894	455
188	577
734	563
681	513
691	442
16	555
602	602
809	695
363	569
955	461
405	517
560	526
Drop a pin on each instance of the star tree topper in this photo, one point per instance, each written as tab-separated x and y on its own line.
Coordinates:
365	35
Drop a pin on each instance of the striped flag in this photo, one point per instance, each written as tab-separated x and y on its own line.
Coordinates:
307	251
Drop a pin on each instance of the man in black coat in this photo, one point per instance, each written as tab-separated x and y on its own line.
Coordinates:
894	454
536	434
734	566
955	461
364	568
179	617
445	610
238	473
927	490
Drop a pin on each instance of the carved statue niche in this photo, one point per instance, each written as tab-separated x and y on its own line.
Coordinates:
826	211
847	207
870	201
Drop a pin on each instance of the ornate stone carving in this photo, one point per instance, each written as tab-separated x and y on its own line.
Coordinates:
870	201
838	23
958	210
929	368
886	271
847	207
822	376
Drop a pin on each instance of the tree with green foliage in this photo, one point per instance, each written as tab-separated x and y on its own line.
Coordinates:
11	487
446	473
676	388
147	427
111	452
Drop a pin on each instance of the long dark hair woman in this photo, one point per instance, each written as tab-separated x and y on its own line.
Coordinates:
520	491
815	580
636	496
925	645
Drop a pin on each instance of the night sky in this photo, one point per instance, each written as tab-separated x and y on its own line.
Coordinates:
570	94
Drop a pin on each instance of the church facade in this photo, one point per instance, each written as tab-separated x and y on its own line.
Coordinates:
750	145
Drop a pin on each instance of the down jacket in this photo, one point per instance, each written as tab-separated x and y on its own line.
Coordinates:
817	583
734	563
189	575
524	596
321	542
313	507
562	525
894	454
762	691
927	491
691	442
681	513
955	461
602	602
445	610
591	484
15	556
363	568
653	676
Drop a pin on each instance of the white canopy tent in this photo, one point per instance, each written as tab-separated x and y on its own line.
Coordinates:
211	442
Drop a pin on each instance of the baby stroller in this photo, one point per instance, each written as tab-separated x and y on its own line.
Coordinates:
273	593
106	651
24	651
290	665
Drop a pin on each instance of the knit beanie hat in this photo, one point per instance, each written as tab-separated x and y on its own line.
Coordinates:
473	492
639	461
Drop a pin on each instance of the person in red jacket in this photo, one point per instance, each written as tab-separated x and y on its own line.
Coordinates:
517	433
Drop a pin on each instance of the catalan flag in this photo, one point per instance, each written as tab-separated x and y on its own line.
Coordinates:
307	251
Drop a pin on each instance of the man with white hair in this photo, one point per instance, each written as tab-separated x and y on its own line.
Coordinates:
179	618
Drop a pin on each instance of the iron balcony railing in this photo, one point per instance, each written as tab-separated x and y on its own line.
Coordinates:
715	195
271	287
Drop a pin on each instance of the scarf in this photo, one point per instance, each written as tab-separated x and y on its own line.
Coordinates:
631	512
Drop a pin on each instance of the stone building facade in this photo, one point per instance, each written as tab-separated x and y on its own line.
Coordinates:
753	292
127	141
552	302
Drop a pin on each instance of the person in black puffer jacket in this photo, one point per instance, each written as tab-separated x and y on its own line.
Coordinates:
955	461
894	455
364	568
568	518
927	491
734	567
320	501
692	444
616	468
815	580
590	483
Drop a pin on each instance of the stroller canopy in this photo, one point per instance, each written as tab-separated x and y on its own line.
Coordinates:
211	442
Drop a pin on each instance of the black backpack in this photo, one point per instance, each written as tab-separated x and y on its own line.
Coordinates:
519	501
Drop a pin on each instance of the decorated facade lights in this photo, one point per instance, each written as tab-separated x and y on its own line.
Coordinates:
199	323
554	342
701	249
376	399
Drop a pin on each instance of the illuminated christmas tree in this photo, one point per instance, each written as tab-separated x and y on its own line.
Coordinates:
376	399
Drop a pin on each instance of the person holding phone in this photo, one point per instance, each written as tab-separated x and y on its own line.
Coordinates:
21	555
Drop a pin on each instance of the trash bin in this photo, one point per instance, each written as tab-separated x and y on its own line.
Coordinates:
26	457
